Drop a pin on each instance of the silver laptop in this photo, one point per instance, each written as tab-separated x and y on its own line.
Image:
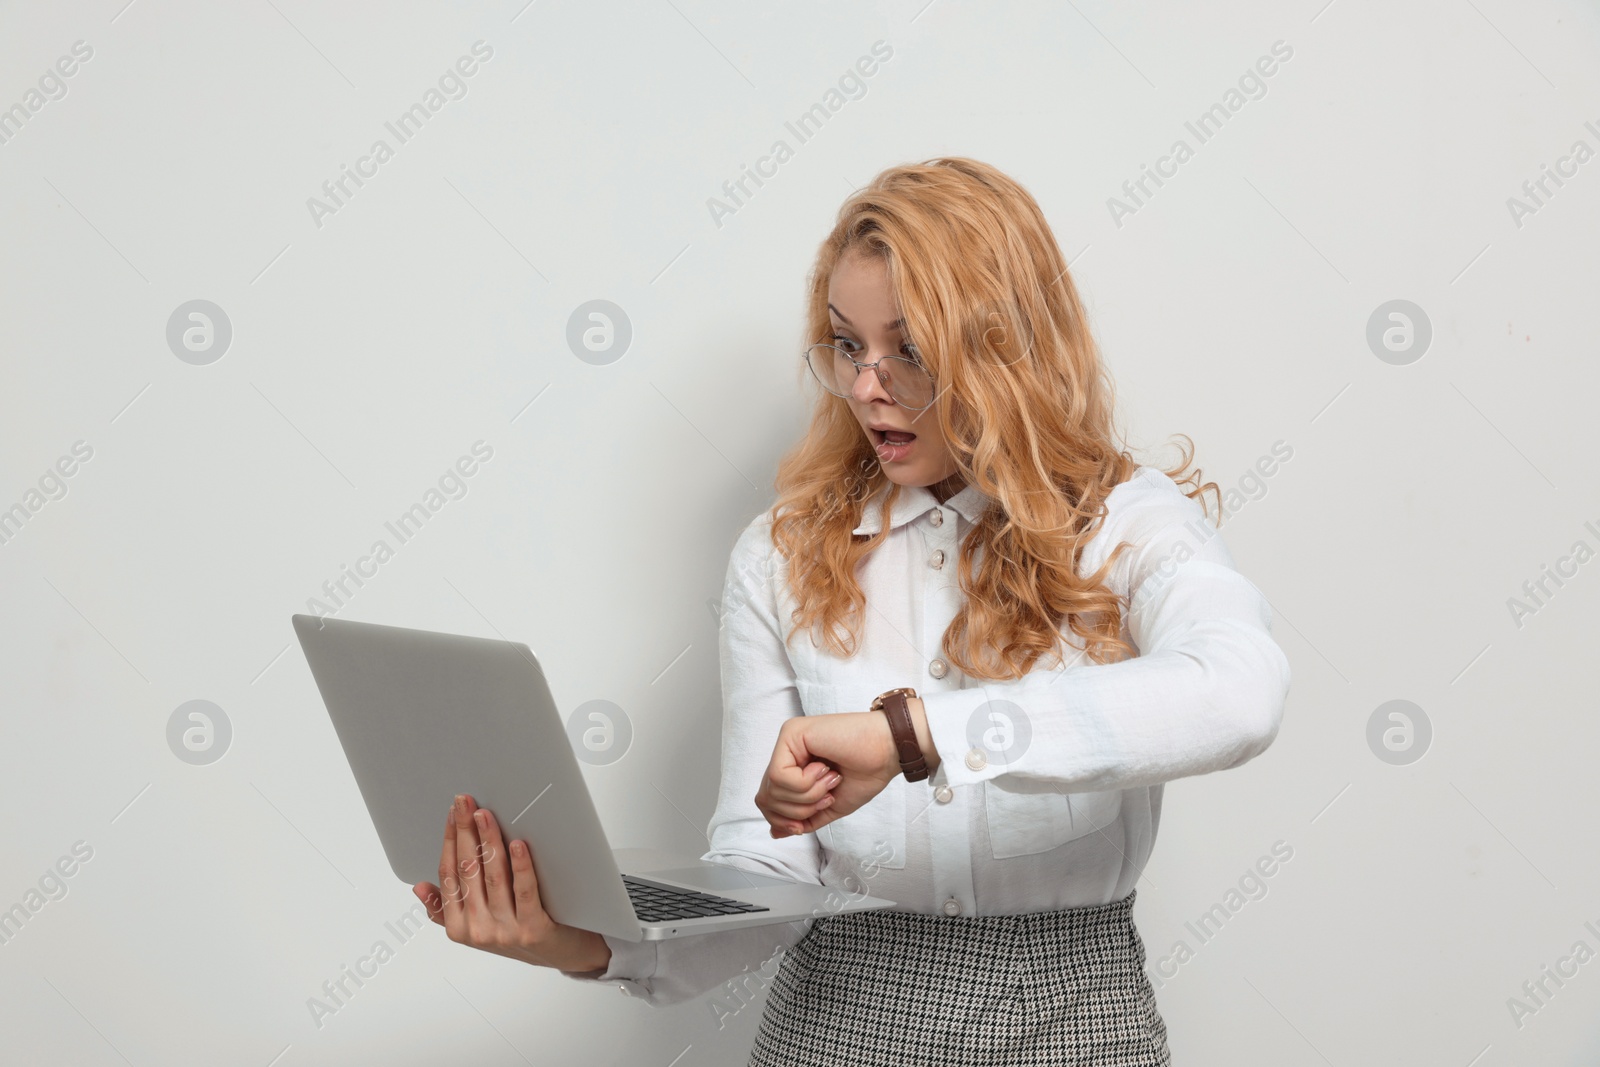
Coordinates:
423	716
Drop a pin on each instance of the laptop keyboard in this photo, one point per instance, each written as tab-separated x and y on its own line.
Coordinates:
659	903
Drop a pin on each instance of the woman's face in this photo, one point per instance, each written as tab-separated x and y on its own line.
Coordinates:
866	323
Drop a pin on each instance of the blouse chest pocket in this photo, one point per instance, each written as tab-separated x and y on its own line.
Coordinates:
873	835
1026	816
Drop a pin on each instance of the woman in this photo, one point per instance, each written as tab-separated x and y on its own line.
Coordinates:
960	656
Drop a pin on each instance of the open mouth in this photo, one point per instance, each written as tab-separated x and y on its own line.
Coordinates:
892	446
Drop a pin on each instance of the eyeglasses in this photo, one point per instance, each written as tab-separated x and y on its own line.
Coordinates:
908	382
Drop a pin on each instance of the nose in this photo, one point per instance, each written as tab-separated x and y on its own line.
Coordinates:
872	389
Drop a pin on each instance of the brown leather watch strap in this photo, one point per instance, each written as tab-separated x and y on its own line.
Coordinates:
893	704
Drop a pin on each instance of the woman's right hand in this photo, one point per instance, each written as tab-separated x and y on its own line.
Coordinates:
494	907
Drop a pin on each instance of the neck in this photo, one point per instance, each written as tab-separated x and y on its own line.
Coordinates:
948	488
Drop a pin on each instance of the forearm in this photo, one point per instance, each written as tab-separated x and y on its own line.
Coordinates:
738	963
1210	701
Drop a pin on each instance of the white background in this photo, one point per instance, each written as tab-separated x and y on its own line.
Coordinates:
371	351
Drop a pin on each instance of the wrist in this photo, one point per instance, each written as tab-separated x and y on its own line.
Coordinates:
589	955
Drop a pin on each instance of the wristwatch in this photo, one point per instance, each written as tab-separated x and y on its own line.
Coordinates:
893	704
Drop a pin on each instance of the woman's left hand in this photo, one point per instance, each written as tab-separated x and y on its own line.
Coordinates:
796	796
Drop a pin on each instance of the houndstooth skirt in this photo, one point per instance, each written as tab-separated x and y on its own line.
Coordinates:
893	988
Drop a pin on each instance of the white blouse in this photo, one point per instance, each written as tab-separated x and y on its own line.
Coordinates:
1048	793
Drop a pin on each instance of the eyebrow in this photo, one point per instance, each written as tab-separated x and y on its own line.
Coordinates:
895	325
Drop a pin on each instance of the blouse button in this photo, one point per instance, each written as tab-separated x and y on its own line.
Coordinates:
937	559
938	517
976	759
952	906
938	668
943	794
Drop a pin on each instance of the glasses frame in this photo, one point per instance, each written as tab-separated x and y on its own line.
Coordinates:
873	366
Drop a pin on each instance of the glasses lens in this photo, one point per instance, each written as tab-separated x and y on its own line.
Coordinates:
908	383
831	368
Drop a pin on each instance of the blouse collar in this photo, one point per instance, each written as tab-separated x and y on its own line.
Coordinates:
917	500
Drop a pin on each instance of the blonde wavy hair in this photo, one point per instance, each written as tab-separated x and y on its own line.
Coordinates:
1022	398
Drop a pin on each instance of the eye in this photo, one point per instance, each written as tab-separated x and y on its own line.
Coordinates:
912	353
845	343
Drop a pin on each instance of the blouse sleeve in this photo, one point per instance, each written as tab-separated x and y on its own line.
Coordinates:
758	694
1205	693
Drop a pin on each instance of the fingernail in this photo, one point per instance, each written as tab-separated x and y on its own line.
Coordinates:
834	779
825	801
481	817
